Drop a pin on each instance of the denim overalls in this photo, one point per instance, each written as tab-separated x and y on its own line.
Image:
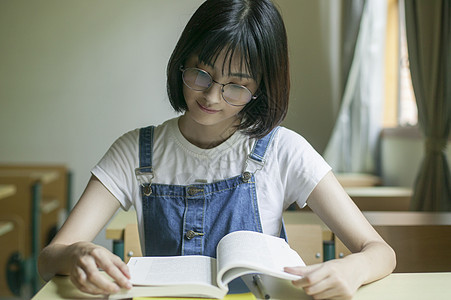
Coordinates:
191	219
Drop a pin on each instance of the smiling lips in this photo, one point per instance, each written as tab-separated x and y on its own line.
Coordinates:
207	110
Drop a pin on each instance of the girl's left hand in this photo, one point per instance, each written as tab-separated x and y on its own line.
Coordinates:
332	279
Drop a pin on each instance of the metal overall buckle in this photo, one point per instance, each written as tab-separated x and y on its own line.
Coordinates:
247	173
145	175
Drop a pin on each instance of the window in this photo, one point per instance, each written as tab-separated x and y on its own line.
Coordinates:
408	114
400	106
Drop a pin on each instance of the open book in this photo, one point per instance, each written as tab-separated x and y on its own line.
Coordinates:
239	254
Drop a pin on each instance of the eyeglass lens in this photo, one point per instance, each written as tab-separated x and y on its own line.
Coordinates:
200	80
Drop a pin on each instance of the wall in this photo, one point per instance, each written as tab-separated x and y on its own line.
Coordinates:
75	75
314	33
402	151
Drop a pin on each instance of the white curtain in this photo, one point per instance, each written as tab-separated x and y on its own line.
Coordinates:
352	146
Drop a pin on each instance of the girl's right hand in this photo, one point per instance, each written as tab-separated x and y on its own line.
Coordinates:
86	259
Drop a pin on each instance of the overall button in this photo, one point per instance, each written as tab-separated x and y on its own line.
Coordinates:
147	190
246	176
190	234
192	190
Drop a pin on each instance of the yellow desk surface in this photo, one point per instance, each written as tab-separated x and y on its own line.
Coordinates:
397	286
7	190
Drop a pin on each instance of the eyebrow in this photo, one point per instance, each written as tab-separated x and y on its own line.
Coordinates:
238	74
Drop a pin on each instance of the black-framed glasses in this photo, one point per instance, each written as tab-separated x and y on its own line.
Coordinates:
199	80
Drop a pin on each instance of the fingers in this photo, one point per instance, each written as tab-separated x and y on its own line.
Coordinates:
86	275
116	268
87	278
303	272
322	281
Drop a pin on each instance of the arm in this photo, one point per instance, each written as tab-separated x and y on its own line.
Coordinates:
72	253
372	257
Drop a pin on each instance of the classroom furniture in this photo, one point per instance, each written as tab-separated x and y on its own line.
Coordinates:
115	231
378	198
358	179
368	194
304	238
7	190
37	206
397	286
421	240
381	198
9	232
307	241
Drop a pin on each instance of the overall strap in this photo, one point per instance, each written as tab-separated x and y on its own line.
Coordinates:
256	159
259	150
258	155
146	149
144	174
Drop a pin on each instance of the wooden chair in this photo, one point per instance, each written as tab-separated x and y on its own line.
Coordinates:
307	240
132	246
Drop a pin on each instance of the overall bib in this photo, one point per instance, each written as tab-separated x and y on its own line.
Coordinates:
191	219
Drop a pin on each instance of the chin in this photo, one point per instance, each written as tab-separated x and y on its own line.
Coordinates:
211	120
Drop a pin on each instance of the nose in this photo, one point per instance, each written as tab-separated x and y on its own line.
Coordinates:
214	93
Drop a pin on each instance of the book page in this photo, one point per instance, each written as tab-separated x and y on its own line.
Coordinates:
170	270
244	252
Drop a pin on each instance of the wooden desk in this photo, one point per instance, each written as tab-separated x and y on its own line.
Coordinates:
7	190
400	286
358	179
378	198
381	198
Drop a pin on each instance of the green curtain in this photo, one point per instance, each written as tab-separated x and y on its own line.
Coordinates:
428	30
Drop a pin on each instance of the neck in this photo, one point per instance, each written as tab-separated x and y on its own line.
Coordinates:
206	136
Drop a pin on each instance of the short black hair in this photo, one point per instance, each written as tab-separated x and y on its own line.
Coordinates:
255	30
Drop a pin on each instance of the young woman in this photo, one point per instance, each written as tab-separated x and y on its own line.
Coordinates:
223	165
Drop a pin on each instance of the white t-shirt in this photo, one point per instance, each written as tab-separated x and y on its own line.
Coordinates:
291	171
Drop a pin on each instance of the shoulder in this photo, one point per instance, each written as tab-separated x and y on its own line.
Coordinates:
292	148
286	139
131	138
